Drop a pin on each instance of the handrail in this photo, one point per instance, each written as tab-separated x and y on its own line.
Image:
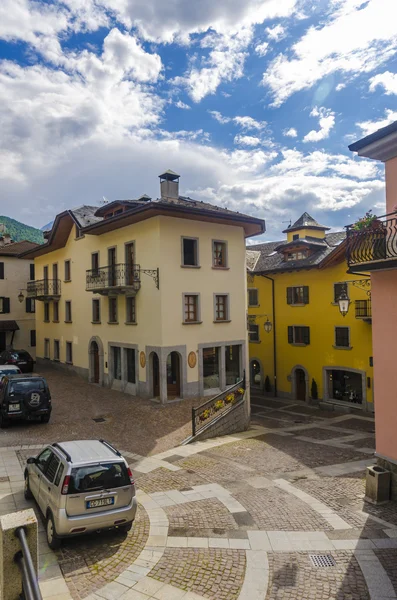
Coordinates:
43	287
375	243
119	275
200	418
23	558
392	214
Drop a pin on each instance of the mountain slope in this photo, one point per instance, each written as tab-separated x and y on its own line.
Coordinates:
19	231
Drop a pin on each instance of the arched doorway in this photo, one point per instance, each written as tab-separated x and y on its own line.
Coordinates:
300	384
155	374
173	375
95	352
256	373
95	362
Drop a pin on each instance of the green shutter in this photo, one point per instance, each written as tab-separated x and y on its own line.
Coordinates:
290	333
306	335
289	295
306	294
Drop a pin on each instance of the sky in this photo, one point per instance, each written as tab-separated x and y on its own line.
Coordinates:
252	102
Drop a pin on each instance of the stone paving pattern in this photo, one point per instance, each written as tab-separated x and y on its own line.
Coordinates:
208	514
162	480
388	559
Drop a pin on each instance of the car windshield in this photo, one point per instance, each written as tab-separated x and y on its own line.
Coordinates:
21	387
98	477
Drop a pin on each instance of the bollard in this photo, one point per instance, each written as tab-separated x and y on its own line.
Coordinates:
10	573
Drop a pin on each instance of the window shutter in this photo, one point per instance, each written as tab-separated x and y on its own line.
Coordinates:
28	305
306	294
289	295
290	333
33	338
6	305
31	268
1	270
306	335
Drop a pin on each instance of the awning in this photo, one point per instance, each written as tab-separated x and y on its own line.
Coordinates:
8	326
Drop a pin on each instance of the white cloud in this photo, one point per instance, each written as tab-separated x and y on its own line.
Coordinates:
275	33
326	121
368	127
219	117
386	80
245	122
355	40
246	140
261	49
291	132
182	105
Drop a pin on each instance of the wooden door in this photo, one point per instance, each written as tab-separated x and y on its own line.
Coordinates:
173	375
95	356
45	277
129	263
55	277
300	384
156	375
112	266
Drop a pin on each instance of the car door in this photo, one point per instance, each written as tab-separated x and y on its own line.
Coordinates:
36	471
46	490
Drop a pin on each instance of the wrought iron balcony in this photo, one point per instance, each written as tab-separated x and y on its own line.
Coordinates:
44	289
363	310
114	279
373	247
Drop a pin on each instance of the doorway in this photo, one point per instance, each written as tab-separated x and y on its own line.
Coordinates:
129	263
95	362
256	373
173	375
112	266
300	384
156	375
3	344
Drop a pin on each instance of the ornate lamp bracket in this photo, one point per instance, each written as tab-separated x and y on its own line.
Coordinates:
363	284
154	274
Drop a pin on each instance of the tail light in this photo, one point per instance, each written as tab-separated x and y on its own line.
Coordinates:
65	485
130	475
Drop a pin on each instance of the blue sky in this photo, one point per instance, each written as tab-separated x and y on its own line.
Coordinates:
254	103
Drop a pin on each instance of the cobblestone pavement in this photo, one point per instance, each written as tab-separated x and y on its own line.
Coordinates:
232	518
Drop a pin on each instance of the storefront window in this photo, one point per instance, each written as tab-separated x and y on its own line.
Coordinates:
345	385
211	368
116	362
130	353
232	362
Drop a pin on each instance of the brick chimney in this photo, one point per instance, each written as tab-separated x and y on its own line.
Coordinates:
169	185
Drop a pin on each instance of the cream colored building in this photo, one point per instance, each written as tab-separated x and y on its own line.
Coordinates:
17	319
148	297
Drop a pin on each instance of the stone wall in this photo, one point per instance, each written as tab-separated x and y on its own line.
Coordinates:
234	420
389	466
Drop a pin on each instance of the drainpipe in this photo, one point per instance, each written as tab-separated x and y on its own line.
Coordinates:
274	335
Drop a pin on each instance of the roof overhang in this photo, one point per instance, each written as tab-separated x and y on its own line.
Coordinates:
380	145
58	237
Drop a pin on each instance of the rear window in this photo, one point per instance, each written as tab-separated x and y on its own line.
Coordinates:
22	387
9	371
21	355
101	476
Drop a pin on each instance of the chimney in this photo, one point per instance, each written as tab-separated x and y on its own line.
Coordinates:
169	185
7	239
1	241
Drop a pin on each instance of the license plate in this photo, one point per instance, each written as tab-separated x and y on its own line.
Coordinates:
100	502
22	362
14	407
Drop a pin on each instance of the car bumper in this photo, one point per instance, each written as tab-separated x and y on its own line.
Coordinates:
66	525
25	415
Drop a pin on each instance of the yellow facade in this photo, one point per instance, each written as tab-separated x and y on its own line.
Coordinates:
321	315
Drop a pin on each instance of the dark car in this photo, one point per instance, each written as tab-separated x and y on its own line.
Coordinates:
20	358
24	397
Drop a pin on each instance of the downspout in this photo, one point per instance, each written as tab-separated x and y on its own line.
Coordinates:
274	335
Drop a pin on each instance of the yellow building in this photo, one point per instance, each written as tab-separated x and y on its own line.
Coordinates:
293	288
147	297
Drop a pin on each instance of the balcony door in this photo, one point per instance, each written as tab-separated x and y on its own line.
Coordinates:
112	266
45	277
55	277
129	263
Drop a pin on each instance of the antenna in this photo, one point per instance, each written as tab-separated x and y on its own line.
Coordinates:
289	222
103	201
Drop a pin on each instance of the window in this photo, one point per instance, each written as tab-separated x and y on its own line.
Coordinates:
46	312
190	252
33	338
97	477
59	474
95	263
68	311
96	310
253	332
342	337
56	349
69	352
43	459
299	335
221	307
46	348
55	272
130	356
219	254
55	316
346	386
1	270
232	364
52	468
296	255
116	356
4	305
112	310
211	368
338	289
67	270
30	305
130	309
253	297
295	236
31	271
190	312
298	295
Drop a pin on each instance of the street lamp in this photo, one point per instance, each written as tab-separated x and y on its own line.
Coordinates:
343	302
268	325
21	296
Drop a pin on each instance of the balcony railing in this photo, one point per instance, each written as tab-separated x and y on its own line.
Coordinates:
44	289
373	247
119	279
363	309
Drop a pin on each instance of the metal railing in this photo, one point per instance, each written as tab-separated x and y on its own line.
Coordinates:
23	558
113	276
363	309
376	242
214	407
43	288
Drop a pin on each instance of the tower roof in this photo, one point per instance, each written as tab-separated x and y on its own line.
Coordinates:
306	221
170	175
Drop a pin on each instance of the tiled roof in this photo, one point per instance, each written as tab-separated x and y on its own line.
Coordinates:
252	257
187	202
85	215
270	260
305	220
16	248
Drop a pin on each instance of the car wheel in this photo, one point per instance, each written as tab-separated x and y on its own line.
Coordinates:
52	539
125	528
45	418
26	491
4	422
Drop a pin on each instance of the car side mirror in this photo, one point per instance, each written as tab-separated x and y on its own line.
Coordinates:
31	460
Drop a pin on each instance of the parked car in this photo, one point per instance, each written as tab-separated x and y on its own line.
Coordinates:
24	397
9	370
81	487
18	358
